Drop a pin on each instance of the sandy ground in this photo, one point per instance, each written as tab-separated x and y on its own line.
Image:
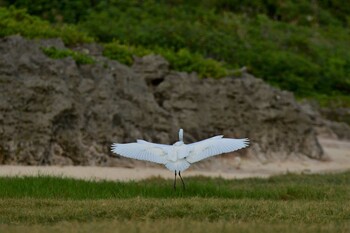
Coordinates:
338	152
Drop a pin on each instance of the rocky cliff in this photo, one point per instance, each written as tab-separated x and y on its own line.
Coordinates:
58	112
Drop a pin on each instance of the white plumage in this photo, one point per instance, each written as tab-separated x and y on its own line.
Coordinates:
179	156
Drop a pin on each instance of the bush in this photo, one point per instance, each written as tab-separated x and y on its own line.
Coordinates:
55	10
123	53
14	21
182	60
79	58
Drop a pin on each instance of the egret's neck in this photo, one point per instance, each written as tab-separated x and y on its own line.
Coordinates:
181	135
179	143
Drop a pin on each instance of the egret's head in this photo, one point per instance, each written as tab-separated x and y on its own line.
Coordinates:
181	135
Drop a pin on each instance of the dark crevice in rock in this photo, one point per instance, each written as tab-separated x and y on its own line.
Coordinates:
66	120
155	82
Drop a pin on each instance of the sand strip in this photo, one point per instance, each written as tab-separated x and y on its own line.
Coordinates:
338	152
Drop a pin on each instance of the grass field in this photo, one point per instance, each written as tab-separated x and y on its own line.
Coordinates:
289	203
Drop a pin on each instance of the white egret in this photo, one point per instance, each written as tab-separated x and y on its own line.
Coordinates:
179	156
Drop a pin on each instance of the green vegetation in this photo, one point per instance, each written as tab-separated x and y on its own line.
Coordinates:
181	60
307	60
124	53
330	187
79	58
300	46
289	203
17	21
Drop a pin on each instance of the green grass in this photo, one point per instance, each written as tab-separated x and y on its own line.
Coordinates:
289	203
330	187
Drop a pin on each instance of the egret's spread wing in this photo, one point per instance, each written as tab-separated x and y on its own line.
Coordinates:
214	146
140	141
202	142
142	150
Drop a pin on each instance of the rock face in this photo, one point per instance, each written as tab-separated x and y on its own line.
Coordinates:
338	120
57	112
329	122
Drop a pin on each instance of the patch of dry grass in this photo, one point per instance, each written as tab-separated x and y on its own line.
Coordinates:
175	226
36	211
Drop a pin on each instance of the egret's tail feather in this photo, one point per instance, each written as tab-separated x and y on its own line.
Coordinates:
178	166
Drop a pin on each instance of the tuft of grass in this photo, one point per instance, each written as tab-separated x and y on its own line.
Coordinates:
78	57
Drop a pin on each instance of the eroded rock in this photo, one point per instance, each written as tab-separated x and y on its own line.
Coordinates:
57	112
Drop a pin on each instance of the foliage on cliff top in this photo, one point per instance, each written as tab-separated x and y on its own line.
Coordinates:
80	58
307	59
181	60
297	46
17	21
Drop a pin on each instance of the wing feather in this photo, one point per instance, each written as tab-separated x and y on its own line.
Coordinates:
214	146
142	151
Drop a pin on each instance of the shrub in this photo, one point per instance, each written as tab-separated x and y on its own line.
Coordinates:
79	58
123	53
182	60
17	21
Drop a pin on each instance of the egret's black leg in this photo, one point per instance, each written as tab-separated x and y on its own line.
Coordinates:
175	181
183	183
